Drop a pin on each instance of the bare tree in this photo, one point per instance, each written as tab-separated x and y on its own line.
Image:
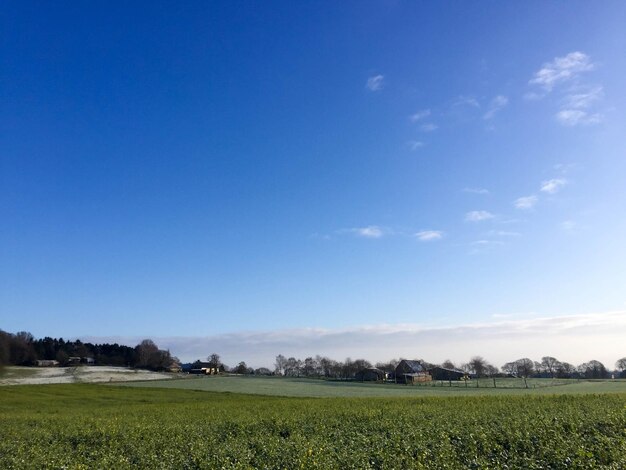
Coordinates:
491	370
146	350
509	368
215	360
241	368
389	366
550	365
151	357
326	366
621	366
525	367
310	367
477	366
565	370
593	370
293	367
448	364
279	365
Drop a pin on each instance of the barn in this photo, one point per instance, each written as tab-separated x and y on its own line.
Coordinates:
442	373
370	374
411	372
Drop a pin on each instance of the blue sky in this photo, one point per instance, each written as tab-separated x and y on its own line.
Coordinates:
215	168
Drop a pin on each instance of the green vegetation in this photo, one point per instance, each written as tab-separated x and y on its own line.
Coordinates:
18	372
91	426
293	387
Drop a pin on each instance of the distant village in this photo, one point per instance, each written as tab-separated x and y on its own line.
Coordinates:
22	349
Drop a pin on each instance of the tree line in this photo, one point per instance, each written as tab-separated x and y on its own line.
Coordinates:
22	349
477	366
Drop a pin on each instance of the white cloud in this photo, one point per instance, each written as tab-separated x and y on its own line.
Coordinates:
371	231
583	99
574	117
415	145
562	69
565	167
503	233
375	83
466	101
568	225
574	107
477	216
571	338
429	235
526	203
487	243
496	105
428	127
476	190
553	186
424	113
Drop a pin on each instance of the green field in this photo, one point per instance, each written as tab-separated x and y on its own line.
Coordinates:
294	387
101	426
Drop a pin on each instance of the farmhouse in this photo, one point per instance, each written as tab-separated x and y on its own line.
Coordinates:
411	372
47	363
370	374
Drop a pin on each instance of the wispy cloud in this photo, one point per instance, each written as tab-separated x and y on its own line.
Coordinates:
562	69
568	225
564	168
499	340
466	101
578	99
574	117
503	233
526	202
495	105
429	235
428	127
375	83
371	231
476	190
414	145
418	116
478	216
553	186
484	243
583	99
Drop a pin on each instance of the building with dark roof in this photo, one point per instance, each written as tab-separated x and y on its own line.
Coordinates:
411	372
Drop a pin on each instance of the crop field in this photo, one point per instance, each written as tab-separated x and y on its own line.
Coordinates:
294	387
102	426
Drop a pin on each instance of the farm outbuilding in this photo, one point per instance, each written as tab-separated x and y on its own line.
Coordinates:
411	372
442	373
370	374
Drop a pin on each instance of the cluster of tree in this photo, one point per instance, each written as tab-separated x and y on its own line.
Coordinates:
318	366
214	361
22	349
477	366
548	367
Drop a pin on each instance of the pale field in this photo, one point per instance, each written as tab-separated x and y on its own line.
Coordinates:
80	374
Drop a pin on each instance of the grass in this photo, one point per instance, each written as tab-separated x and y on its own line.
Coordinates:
301	387
15	372
98	426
